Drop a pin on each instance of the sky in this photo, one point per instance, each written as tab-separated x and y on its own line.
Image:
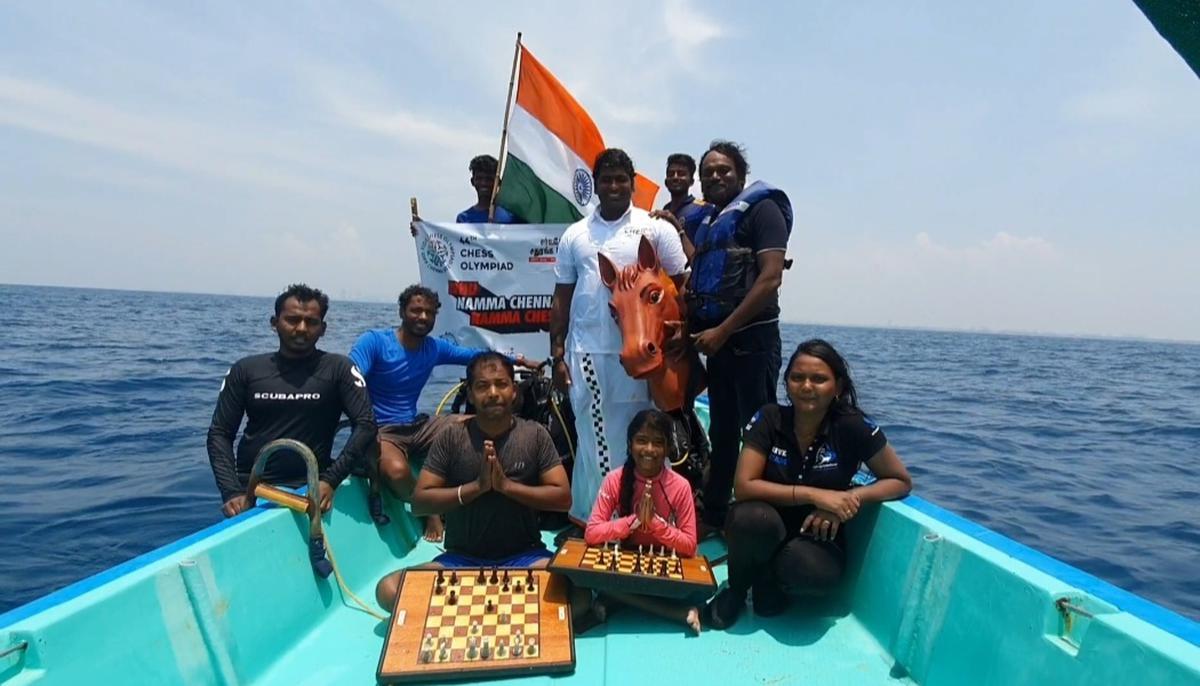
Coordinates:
1021	166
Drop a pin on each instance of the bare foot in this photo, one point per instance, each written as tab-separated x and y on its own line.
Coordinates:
693	619
434	528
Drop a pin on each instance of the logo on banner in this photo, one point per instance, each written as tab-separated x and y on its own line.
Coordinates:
502	314
582	186
436	253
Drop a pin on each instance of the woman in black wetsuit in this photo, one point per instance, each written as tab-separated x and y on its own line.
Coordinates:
793	487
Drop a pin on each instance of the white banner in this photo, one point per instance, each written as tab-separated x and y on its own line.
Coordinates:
495	282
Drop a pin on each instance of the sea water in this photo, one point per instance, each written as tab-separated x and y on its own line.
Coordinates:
1088	450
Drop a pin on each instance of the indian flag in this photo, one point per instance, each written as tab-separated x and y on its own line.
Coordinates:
552	143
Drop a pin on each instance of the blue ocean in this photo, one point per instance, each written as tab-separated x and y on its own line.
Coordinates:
1088	450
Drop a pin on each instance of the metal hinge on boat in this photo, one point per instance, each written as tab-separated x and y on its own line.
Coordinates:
14	649
1068	612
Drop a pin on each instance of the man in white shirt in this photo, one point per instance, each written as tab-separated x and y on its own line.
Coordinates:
585	343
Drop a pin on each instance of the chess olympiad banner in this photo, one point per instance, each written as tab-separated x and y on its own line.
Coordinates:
495	282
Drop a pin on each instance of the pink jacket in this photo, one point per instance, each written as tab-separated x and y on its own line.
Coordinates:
674	524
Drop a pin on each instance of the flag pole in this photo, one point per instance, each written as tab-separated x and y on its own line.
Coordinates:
504	132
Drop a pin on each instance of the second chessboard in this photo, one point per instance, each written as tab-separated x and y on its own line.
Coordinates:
657	571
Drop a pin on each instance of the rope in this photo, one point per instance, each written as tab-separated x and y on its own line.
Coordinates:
446	397
566	429
337	574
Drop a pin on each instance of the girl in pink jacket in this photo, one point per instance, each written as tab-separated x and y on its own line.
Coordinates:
647	503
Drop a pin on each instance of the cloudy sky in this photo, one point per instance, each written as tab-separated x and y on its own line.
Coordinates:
1022	166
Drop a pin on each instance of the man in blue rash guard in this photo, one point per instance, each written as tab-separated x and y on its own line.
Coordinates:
297	392
397	363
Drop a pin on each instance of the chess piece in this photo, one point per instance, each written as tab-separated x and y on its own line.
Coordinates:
495	578
505	586
441	577
530	584
486	651
444	655
426	655
453	578
452	599
516	650
438	589
501	648
490	607
517	588
480	579
471	653
531	650
505	577
474	626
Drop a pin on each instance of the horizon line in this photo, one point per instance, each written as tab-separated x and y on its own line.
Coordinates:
890	327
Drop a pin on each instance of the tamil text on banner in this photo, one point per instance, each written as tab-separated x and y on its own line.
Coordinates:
495	282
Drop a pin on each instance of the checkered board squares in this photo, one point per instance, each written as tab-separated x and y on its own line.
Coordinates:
687	578
424	623
453	622
652	563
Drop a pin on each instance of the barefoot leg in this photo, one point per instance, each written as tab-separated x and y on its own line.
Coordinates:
395	470
676	612
434	528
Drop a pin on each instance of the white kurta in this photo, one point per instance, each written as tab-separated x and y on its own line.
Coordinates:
603	396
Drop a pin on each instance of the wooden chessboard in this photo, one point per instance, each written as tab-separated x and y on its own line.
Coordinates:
438	630
655	574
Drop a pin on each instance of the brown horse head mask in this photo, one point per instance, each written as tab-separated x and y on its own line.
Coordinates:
646	306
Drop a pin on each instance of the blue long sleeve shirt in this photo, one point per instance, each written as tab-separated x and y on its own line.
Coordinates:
396	375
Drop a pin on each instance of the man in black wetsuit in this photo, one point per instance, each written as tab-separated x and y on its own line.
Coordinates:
298	392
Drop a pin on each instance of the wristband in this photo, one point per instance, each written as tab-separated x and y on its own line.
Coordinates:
460	501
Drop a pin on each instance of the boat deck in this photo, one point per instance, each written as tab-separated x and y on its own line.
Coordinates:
816	644
953	603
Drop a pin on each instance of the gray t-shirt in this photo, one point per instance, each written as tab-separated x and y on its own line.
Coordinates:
494	526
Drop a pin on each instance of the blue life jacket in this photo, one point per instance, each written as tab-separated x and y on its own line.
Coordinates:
722	270
691	214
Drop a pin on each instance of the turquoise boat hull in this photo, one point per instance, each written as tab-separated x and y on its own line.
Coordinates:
930	599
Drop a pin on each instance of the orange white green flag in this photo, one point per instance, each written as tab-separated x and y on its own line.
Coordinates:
552	143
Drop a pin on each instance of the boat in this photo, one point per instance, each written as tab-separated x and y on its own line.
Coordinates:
929	598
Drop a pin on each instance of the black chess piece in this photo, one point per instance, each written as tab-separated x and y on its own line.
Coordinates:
453	578
480	579
505	586
441	577
529	582
490	607
495	577
506	576
438	588
452	599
